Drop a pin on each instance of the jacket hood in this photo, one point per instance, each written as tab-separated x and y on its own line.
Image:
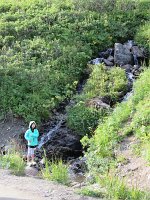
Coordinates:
31	122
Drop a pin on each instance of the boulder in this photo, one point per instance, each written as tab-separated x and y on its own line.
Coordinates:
63	144
129	44
78	165
31	171
122	55
97	103
108	63
110	59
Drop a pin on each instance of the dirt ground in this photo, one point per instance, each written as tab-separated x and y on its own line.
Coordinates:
135	170
11	128
30	188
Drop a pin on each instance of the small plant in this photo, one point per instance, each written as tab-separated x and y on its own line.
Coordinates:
121	159
116	189
56	171
13	161
87	191
46	171
59	172
136	148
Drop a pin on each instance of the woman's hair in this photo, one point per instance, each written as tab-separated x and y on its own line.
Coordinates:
30	125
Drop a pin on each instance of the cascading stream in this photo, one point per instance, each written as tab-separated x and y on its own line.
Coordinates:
123	55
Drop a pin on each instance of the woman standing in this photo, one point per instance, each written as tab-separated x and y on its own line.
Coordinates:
31	135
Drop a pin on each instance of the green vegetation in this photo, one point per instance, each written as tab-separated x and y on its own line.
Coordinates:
44	49
102	83
116	189
88	191
56	171
45	45
13	161
100	153
142	36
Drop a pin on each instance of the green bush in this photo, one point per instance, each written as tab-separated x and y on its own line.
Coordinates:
45	46
14	162
56	171
83	119
141	119
142	36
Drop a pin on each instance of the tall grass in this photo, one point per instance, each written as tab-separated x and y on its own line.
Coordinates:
13	161
117	190
56	171
133	116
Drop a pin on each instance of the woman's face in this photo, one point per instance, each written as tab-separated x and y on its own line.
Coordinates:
33	126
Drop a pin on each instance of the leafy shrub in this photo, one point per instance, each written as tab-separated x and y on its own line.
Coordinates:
141	119
14	162
45	45
142	36
83	119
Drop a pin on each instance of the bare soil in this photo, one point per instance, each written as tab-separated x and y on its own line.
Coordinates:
11	129
134	170
31	188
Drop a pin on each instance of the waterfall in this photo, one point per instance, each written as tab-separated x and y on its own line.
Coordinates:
49	135
130	76
97	61
135	60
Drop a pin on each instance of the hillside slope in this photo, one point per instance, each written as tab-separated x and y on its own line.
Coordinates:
45	46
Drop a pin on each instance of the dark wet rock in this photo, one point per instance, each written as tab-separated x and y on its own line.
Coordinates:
122	55
108	63
106	99
110	59
78	165
127	67
63	144
107	53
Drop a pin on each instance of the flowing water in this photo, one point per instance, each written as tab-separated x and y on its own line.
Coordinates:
50	134
136	62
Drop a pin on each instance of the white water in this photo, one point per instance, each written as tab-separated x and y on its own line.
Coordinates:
127	96
130	76
48	136
97	61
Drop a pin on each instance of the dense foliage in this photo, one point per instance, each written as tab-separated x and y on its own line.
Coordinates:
132	116
103	82
45	45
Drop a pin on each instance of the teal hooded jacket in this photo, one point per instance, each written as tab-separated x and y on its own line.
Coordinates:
32	137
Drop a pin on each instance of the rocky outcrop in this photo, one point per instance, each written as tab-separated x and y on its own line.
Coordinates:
60	142
63	145
97	103
122	55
